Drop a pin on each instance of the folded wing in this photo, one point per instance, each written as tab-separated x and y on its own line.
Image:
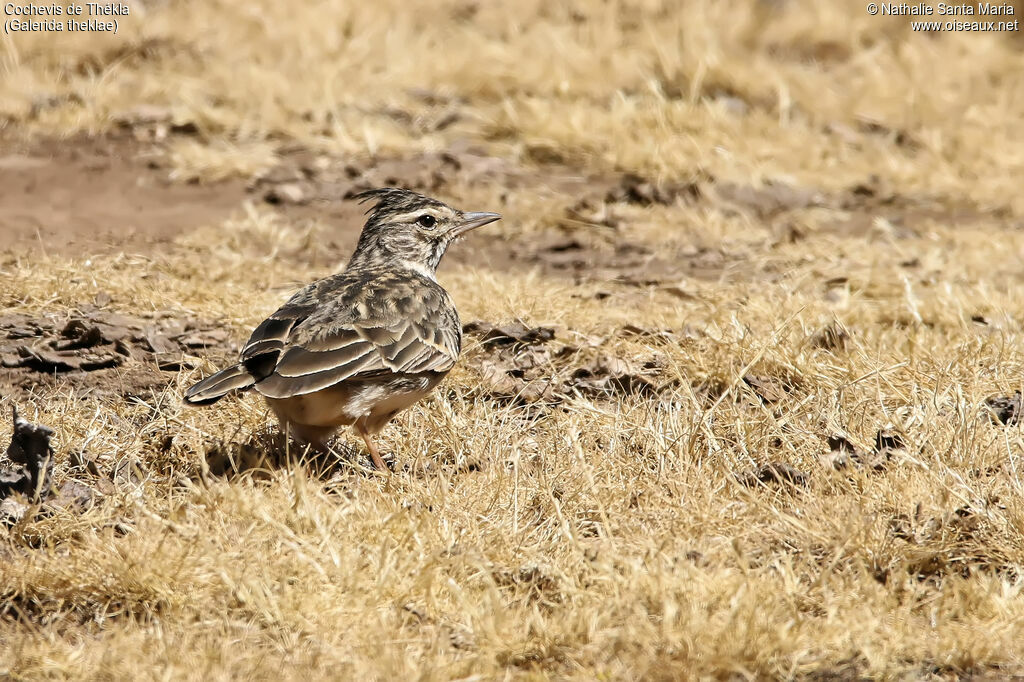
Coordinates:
355	334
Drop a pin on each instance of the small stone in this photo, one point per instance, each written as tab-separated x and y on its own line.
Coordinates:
775	472
12	511
832	338
1004	410
286	193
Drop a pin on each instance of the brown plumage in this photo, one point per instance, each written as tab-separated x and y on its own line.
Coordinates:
358	347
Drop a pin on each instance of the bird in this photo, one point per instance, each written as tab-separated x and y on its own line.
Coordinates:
359	346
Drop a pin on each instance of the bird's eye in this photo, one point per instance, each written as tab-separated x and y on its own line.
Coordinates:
427	220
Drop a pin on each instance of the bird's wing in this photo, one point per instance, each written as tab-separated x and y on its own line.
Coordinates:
358	329
261	352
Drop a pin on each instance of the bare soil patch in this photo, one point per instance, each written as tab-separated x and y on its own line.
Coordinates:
100	194
114	193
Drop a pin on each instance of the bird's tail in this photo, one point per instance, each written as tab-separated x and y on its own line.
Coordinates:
214	387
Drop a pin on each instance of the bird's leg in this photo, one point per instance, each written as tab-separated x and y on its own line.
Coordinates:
374	454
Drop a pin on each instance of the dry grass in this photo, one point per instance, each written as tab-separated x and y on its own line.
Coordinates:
604	538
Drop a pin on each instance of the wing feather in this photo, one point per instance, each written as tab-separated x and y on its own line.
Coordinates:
410	356
297	362
408	339
269	336
380	336
280	386
340	338
347	332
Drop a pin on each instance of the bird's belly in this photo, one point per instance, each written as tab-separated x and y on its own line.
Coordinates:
376	404
324	408
372	402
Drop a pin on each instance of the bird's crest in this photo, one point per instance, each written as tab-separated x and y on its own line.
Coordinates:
390	201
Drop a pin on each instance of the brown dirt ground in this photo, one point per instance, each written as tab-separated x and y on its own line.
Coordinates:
114	193
100	194
69	196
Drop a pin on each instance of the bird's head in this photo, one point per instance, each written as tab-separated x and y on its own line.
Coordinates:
410	228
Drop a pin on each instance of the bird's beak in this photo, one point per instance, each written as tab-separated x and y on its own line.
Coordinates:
471	221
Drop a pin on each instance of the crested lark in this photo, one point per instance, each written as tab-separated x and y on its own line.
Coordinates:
358	347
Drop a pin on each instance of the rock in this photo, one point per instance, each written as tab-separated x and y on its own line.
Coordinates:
832	338
842	452
767	201
635	189
14	481
12	511
286	193
888	439
72	496
1004	410
767	389
775	473
30	482
30	447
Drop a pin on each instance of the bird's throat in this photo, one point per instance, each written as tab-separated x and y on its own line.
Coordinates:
421	269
